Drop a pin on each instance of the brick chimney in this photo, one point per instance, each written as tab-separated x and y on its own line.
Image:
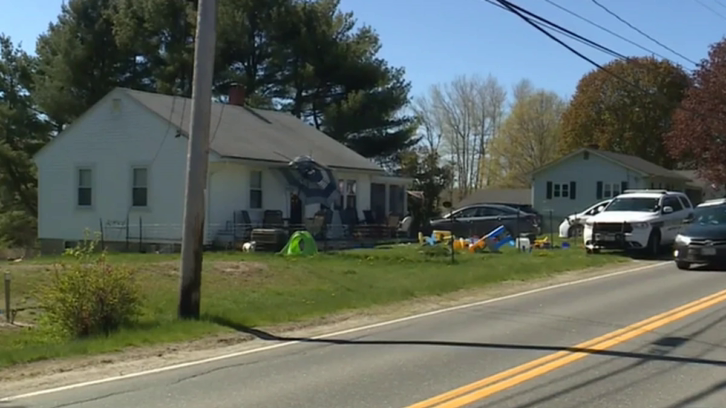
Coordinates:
237	95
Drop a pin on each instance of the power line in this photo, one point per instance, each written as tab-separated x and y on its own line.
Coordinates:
622	20
519	12
607	30
711	9
170	123
541	21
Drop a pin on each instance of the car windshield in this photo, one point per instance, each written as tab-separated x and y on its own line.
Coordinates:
639	204
712	215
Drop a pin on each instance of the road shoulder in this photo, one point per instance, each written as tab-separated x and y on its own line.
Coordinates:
56	373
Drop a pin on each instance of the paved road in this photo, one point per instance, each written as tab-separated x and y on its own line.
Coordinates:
677	360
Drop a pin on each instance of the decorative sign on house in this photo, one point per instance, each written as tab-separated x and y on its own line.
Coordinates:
315	182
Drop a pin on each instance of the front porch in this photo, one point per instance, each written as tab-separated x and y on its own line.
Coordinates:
367	213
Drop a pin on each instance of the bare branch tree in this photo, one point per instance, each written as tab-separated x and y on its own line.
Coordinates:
459	119
423	109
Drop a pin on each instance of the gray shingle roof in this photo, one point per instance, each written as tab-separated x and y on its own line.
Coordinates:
639	164
255	134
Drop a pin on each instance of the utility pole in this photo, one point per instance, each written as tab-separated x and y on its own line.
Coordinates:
197	162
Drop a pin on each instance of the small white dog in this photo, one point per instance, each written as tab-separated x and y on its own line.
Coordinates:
249	246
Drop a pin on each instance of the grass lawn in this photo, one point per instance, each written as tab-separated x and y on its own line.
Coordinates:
263	290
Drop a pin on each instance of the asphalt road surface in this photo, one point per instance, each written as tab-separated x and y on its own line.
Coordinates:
648	339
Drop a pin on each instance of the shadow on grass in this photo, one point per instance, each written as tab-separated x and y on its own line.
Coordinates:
266	336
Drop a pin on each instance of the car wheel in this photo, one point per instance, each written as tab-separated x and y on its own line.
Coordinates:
654	243
575	231
683	265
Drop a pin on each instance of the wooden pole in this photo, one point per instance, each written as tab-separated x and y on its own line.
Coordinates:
8	315
197	161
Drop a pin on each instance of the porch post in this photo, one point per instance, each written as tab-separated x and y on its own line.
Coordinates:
405	199
388	198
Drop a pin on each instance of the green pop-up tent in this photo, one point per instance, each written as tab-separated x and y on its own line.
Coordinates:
300	243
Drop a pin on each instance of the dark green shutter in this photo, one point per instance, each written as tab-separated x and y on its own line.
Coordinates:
573	190
598	192
623	186
549	190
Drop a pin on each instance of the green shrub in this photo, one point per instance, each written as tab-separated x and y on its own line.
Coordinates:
88	296
17	229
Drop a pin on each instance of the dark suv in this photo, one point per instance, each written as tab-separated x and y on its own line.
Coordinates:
480	219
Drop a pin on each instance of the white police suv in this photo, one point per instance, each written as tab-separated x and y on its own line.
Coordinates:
638	220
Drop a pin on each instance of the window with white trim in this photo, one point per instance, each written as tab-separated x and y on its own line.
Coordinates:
139	187
84	196
351	188
348	190
561	190
255	189
610	190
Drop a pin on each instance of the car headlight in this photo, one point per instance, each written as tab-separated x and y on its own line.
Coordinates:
640	225
589	223
683	240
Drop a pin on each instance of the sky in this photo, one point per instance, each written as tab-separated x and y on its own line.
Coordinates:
437	41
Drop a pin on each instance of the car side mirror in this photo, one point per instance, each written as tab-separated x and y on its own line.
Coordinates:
447	204
667	209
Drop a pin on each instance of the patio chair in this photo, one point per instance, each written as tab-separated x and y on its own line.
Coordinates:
392	225
349	218
369	217
273	219
317	227
242	225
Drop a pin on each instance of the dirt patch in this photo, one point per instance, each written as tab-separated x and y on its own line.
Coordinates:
13	267
242	269
54	373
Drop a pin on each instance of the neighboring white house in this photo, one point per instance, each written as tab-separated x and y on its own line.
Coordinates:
580	179
121	168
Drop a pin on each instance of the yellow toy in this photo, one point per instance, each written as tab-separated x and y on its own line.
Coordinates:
441	236
460	244
478	245
541	243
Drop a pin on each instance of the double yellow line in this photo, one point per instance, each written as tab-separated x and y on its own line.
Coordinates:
488	386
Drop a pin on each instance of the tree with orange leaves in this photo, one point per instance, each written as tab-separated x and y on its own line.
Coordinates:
626	109
698	129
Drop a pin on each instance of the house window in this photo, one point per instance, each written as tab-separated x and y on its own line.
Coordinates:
140	187
255	189
350	194
610	190
348	190
561	190
85	187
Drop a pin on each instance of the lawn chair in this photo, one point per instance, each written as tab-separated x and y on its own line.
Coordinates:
349	218
242	226
317	227
392	225
273	219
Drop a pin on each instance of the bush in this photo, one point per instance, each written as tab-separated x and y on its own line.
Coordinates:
88	296
17	229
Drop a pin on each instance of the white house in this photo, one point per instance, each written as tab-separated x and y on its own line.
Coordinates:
580	179
120	168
